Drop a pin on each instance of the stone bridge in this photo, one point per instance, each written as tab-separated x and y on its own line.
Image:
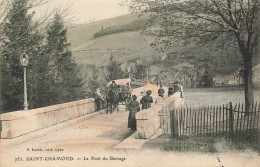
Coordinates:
22	123
75	134
77	126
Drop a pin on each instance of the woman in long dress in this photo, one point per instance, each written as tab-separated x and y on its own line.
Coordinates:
133	107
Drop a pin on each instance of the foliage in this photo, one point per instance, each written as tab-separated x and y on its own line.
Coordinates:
114	70
93	78
206	80
52	74
134	26
177	22
67	80
140	71
19	33
194	76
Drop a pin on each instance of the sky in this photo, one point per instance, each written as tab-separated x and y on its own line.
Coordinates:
85	11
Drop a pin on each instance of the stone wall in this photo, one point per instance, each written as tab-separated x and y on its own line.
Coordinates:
18	123
148	120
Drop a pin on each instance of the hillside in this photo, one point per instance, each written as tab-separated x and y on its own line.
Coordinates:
122	37
80	34
124	46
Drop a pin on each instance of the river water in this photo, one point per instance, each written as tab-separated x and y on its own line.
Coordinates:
195	97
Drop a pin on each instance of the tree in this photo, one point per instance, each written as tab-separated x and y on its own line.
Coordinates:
114	70
67	79
94	78
19	33
178	22
206	80
140	69
7	5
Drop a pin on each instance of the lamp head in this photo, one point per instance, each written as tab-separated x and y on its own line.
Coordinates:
24	59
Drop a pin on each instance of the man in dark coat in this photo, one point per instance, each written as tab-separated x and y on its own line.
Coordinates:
147	100
113	86
161	91
170	91
133	107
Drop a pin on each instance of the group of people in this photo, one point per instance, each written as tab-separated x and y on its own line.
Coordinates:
176	87
134	106
123	91
116	92
146	102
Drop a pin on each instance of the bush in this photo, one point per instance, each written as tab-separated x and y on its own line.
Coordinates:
134	26
206	80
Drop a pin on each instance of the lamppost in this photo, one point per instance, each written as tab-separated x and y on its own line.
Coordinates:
24	59
129	70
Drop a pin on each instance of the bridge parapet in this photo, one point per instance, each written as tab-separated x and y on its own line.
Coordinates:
18	123
148	120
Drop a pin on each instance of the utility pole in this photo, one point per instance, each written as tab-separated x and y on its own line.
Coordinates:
147	76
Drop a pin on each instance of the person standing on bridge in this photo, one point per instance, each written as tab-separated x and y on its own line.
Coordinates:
133	108
178	88
98	99
161	91
113	86
170	91
147	100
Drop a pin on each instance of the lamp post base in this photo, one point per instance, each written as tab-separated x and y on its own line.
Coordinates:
25	108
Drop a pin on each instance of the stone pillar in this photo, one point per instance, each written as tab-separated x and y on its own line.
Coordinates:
148	120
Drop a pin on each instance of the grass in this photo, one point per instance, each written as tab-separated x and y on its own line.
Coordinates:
206	144
124	46
82	33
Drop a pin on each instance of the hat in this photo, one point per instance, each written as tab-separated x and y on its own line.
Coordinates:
113	81
149	92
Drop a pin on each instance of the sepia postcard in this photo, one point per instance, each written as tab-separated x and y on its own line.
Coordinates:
129	83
